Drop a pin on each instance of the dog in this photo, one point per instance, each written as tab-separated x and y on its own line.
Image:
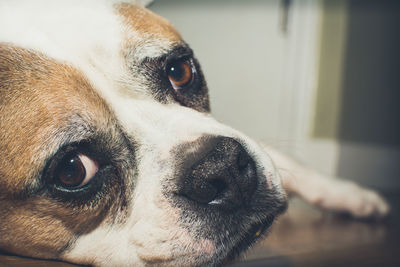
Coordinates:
109	154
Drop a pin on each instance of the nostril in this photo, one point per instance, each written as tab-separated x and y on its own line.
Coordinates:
220	186
243	160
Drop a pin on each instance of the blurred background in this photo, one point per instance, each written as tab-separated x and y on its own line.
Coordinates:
318	79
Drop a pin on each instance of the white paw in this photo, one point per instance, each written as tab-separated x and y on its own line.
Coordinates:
345	196
367	203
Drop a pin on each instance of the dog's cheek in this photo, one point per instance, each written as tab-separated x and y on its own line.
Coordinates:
44	227
27	231
150	235
162	240
156	230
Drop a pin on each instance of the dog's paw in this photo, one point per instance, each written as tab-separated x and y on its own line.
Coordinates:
327	192
348	197
368	203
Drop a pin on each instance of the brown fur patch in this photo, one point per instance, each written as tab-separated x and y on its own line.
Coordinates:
143	20
38	97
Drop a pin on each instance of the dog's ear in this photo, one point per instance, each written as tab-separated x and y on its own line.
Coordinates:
137	2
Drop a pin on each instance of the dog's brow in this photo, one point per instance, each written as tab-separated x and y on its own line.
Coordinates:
181	50
176	52
145	21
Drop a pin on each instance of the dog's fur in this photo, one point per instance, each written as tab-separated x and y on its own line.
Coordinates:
89	77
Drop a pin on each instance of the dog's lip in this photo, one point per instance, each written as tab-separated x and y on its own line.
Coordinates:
247	240
256	232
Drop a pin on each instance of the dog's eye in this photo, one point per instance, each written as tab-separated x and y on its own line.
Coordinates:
75	171
180	73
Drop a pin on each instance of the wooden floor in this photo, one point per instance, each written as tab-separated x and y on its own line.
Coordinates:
305	236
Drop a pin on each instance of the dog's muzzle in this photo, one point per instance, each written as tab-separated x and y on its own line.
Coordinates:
223	195
221	173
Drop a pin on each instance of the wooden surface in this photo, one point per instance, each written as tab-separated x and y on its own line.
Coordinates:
305	236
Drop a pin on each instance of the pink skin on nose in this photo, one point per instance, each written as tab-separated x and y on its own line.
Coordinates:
205	246
200	247
268	176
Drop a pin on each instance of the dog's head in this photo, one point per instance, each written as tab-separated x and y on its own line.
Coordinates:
109	155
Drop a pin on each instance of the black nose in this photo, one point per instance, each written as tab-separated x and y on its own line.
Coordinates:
219	172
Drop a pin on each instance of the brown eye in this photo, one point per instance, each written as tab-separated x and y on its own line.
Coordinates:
180	73
75	171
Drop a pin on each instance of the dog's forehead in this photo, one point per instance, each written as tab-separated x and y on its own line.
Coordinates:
147	23
144	34
86	32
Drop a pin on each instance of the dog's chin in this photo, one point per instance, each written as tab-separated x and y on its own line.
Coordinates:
230	250
244	243
256	232
231	233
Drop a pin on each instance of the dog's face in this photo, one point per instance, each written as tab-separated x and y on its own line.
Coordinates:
109	155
